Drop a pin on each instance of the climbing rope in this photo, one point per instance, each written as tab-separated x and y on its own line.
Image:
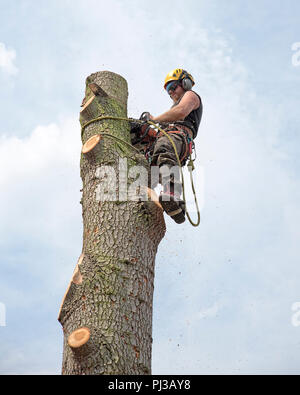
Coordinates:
191	168
190	164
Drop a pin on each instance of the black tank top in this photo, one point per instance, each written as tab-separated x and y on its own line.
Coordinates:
193	120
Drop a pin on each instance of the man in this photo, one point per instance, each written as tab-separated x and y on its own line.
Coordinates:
181	123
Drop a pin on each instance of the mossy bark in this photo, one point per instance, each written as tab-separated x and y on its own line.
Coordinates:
110	295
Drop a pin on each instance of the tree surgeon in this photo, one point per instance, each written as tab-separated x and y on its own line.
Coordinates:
181	122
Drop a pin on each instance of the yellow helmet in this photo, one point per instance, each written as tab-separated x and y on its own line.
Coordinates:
180	75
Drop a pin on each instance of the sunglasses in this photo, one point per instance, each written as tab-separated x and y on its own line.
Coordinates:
171	86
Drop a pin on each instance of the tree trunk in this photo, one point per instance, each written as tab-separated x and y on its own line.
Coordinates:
106	313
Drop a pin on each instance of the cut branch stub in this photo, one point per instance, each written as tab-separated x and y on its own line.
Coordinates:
91	143
88	107
79	337
97	90
152	196
77	280
77	277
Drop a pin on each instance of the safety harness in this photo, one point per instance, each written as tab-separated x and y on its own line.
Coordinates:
148	135
157	131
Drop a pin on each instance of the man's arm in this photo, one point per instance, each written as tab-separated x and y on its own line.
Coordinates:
189	102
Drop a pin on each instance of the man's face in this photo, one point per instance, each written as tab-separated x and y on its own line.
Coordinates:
176	92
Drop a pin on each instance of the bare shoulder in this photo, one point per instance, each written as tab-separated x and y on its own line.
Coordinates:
193	98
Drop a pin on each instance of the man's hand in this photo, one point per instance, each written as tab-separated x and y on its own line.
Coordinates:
146	116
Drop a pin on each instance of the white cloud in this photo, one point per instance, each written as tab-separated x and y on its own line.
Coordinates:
40	193
44	147
7	58
40	237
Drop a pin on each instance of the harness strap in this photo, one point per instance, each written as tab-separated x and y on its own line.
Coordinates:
171	141
186	133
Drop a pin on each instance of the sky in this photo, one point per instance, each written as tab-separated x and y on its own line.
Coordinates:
226	297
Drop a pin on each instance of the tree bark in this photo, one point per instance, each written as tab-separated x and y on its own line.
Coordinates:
106	313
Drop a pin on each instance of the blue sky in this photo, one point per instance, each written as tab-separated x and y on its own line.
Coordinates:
224	291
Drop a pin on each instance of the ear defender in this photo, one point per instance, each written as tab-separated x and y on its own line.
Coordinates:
186	81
